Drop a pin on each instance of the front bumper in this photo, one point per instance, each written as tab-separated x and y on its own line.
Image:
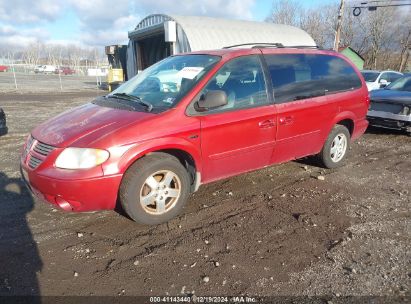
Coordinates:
389	120
90	194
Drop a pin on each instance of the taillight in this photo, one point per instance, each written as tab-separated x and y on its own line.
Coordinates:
367	99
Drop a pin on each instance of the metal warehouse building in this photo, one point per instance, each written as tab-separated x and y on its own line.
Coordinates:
158	36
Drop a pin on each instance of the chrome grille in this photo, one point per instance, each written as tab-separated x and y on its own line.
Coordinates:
34	162
43	149
37	152
29	142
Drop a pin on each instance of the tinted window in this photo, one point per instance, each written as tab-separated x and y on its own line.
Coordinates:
384	76
394	76
301	76
402	84
242	80
370	76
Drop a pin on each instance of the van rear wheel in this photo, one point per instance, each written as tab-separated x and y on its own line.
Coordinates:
336	147
155	189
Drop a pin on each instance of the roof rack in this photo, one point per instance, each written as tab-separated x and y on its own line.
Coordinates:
274	45
279	45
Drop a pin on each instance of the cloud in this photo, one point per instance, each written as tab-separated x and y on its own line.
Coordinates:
100	28
239	9
100	14
14	37
100	22
21	11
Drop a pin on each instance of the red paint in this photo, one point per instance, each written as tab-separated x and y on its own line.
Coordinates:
221	145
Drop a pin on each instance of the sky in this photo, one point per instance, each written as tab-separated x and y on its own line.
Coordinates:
103	22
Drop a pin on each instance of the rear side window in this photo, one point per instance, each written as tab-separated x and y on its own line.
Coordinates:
301	76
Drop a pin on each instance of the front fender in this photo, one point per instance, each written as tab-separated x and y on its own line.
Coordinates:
140	149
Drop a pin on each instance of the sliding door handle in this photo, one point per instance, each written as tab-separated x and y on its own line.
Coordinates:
288	120
266	124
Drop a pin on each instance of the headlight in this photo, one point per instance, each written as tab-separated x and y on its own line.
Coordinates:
81	158
406	111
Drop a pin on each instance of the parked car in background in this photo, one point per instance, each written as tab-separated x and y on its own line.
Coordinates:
65	71
391	107
45	69
154	140
3	68
3	125
379	79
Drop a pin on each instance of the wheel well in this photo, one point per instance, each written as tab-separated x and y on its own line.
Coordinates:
185	159
348	123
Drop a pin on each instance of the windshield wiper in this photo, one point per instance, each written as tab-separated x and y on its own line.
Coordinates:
126	96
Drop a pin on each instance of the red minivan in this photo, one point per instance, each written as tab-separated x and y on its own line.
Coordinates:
192	119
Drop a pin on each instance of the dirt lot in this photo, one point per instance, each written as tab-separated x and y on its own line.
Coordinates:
278	231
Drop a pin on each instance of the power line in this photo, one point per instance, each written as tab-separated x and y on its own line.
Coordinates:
357	9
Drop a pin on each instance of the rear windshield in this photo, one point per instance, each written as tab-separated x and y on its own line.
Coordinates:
370	76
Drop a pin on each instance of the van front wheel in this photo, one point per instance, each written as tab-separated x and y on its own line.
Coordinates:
336	147
155	189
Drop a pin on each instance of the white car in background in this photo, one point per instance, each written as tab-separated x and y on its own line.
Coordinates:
379	79
45	69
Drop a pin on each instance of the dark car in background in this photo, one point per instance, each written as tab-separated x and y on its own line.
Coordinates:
391	106
3	126
65	71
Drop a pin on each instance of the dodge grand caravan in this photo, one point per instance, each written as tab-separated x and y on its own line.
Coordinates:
192	119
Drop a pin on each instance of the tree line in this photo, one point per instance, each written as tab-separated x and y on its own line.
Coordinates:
382	37
40	53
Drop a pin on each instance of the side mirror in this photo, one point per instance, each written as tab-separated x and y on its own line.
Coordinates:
383	83
212	100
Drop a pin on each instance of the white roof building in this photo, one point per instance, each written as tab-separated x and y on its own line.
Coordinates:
159	36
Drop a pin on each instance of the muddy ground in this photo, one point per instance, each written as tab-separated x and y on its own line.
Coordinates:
278	231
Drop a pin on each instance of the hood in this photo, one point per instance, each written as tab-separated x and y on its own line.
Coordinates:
89	121
391	96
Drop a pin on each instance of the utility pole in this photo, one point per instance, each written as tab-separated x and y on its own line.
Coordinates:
339	25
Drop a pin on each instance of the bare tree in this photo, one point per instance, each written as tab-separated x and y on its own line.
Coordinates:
319	23
378	29
32	53
285	12
382	37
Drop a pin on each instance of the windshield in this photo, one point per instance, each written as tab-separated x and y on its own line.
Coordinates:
402	84
370	76
164	84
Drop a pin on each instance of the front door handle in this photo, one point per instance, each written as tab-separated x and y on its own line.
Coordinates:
288	120
266	123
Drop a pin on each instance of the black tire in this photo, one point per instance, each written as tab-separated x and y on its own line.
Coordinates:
134	183
325	155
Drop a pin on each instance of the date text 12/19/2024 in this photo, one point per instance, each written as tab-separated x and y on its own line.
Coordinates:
200	299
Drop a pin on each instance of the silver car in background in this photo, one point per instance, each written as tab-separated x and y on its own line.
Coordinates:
379	79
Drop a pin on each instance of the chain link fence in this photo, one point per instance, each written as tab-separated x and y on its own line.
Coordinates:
25	78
